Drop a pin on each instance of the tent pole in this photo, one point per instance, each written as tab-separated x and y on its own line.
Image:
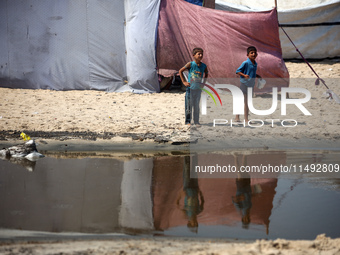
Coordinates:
276	4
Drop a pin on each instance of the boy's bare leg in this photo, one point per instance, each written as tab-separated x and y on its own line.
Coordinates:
246	109
246	113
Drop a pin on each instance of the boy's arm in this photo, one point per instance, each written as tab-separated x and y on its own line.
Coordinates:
206	74
202	200
243	75
186	67
240	70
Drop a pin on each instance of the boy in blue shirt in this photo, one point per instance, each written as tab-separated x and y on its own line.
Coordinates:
197	70
247	72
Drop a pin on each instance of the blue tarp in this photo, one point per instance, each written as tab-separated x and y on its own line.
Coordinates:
197	2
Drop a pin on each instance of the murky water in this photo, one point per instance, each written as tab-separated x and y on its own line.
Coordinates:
154	195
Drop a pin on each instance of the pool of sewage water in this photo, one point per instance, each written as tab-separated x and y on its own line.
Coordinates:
175	194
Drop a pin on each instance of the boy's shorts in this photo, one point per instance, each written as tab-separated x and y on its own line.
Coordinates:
244	88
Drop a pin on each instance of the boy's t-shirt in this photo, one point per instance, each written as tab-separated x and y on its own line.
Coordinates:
196	75
247	67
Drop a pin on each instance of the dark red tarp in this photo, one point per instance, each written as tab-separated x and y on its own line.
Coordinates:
224	37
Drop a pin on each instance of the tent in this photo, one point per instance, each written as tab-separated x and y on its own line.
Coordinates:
224	36
76	44
111	45
312	25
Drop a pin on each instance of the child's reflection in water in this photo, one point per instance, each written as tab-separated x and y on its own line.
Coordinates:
242	200
193	197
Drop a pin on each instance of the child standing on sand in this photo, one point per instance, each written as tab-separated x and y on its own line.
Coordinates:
196	69
247	72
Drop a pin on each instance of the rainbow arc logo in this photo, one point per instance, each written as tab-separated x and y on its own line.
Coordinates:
209	90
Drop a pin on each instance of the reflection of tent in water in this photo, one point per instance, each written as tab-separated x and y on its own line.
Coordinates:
218	194
108	195
136	208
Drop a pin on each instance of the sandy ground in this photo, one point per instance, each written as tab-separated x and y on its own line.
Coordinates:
322	245
160	116
110	118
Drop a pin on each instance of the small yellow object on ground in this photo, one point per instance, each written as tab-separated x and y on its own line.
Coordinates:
24	136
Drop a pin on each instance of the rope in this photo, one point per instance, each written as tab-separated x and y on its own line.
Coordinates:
318	79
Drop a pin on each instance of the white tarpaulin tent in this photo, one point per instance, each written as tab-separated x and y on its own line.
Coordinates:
313	26
270	4
110	45
79	44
